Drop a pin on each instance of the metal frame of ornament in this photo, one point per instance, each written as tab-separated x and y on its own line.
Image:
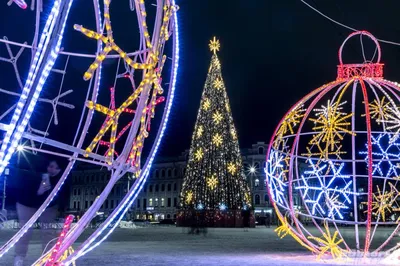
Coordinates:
332	177
46	47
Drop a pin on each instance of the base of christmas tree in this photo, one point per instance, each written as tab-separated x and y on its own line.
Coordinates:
214	218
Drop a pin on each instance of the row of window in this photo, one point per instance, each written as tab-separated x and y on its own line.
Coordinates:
95	191
156	202
108	204
167	172
257	199
162	187
98	177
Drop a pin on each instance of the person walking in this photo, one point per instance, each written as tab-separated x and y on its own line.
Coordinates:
246	219
34	190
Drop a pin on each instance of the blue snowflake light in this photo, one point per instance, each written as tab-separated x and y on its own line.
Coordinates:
385	155
326	189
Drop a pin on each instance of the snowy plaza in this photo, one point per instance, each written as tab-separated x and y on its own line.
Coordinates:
159	246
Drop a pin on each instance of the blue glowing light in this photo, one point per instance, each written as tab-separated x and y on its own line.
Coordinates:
326	189
222	207
385	155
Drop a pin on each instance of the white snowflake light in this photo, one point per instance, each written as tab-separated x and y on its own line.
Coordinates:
275	176
326	189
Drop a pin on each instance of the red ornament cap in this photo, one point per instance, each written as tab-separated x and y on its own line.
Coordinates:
367	69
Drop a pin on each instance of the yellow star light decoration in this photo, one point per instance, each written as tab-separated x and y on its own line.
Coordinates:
384	202
206	104
199	154
217	117
379	110
212	182
247	198
113	115
109	45
392	122
200	131
218	84
217	63
217	140
214	45
63	257
189	197
329	243
284	229
232	168
331	125
289	123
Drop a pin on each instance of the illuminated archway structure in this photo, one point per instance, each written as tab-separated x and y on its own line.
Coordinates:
347	133
154	59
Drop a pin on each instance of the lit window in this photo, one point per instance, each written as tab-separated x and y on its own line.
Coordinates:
257	182
162	202
156	202
150	202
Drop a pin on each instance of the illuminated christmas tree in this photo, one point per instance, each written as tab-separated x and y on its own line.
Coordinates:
214	179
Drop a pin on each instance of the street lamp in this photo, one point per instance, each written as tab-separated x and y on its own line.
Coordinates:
252	169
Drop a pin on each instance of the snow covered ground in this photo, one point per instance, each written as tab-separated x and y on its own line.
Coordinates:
162	246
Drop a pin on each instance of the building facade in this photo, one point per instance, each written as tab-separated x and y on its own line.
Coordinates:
159	198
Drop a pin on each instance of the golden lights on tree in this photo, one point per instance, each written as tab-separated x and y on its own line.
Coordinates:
215	181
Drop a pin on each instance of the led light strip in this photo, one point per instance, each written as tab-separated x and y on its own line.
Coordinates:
53	21
130	198
12	138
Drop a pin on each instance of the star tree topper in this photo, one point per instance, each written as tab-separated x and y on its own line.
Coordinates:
214	45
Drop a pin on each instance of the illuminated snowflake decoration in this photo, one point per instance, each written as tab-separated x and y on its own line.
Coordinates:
385	155
326	189
392	121
212	182
330	126
200	206
232	168
206	104
217	117
275	176
200	131
217	140
199	154
379	109
217	63
385	202
222	207
218	84
289	123
329	243
189	197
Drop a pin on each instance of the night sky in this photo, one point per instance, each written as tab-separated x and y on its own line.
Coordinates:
272	54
